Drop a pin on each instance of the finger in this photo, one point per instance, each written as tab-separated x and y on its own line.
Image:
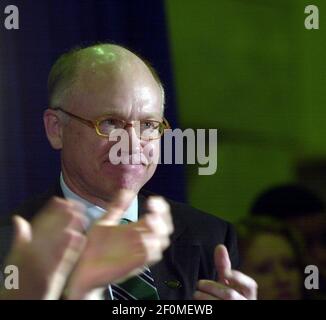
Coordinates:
134	272
199	295
56	204
153	227
23	230
154	223
67	263
71	253
119	204
219	290
112	217
222	262
75	220
75	240
76	205
159	206
60	213
72	215
122	199
241	282
153	248
80	221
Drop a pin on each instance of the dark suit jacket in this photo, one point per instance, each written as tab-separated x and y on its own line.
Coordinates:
189	257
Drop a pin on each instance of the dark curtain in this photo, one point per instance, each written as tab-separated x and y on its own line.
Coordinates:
47	29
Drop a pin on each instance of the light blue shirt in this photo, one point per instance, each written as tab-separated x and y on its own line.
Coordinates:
94	212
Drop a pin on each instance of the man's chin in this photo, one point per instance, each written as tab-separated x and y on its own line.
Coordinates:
126	176
127	183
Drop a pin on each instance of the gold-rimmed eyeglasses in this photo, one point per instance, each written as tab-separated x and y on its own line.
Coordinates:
106	125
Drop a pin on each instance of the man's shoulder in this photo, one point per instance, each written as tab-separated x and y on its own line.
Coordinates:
34	204
194	222
194	227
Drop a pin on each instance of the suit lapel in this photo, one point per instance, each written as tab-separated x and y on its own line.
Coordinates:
180	261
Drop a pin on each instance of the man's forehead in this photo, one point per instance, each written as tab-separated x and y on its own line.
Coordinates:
121	103
97	74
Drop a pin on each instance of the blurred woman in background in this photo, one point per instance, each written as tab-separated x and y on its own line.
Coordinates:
270	254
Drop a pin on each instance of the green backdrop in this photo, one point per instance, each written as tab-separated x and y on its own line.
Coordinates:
251	70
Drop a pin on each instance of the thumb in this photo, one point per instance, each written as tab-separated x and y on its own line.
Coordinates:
222	262
23	231
119	204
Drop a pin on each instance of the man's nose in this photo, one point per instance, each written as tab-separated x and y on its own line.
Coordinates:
134	140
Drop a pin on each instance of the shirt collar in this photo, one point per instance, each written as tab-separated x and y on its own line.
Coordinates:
94	212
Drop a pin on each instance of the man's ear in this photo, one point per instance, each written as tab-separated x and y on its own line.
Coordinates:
53	128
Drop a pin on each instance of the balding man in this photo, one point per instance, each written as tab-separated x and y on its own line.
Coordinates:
94	94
